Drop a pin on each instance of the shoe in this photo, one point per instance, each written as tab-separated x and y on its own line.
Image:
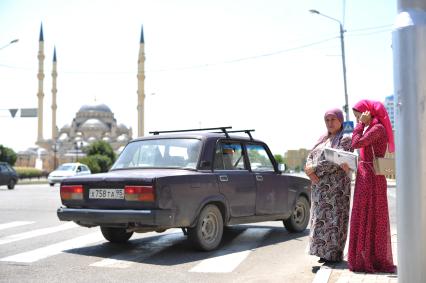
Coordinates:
322	260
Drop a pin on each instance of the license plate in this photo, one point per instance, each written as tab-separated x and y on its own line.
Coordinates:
106	193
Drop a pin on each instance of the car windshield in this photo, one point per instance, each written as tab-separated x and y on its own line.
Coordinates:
160	153
66	167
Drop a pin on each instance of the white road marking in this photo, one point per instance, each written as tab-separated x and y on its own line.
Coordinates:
15	224
35	233
322	275
125	260
227	259
55	249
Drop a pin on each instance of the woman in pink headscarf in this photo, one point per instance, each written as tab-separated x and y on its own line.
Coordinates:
330	192
369	240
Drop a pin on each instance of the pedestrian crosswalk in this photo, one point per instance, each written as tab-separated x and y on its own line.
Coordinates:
224	260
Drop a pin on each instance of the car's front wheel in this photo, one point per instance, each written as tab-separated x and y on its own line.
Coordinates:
11	184
299	219
116	235
208	231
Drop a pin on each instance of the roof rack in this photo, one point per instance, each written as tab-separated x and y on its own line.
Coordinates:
223	130
248	132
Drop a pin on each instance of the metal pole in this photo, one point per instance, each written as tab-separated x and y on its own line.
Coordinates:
342	46
409	53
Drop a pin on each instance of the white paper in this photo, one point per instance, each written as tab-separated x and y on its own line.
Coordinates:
340	156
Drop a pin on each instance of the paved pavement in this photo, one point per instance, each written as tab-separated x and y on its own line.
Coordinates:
339	273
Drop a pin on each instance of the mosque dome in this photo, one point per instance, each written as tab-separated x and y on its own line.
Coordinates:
95	108
94	124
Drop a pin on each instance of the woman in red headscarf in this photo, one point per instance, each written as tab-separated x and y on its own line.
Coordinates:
369	239
330	192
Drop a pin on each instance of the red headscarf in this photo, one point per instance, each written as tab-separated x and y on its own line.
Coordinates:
378	115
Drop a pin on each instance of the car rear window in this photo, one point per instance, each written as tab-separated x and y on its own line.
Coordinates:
160	153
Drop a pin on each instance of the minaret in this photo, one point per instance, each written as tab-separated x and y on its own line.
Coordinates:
54	91
141	91
40	77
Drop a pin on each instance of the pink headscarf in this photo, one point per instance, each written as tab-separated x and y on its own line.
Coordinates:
378	115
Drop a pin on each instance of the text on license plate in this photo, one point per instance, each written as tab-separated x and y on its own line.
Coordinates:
106	193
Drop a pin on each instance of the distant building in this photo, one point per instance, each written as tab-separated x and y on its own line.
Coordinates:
296	159
389	105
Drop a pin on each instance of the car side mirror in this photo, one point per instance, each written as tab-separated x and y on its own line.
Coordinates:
281	167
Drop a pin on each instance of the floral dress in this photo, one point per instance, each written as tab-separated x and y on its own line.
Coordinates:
330	201
370	247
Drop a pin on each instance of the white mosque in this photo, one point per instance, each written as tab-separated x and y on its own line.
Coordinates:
92	122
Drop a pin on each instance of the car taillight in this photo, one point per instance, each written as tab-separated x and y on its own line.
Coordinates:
139	193
72	192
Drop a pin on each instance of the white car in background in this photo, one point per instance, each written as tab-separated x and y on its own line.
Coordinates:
67	170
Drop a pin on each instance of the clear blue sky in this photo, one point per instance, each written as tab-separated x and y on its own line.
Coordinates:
263	64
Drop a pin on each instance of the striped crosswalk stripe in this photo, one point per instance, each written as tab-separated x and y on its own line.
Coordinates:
124	260
227	259
35	233
44	252
14	224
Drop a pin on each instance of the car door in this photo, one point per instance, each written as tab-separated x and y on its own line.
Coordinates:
3	175
236	182
271	187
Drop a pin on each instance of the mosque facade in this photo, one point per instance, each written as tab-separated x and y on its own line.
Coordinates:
91	123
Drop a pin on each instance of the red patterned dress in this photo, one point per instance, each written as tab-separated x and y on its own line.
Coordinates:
370	247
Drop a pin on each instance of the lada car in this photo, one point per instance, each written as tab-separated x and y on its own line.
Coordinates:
8	175
197	181
67	170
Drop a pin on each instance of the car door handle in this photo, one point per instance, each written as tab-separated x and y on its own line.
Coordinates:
223	178
259	178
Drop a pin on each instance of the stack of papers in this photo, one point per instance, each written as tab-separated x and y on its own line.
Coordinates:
339	156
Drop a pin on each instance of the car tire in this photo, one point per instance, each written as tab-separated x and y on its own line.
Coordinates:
51	184
116	235
11	184
208	231
299	219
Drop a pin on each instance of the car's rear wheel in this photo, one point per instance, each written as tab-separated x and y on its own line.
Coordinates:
208	231
11	184
299	218
116	235
51	184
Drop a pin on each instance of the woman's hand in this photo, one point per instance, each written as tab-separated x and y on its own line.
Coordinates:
345	167
314	178
365	118
310	171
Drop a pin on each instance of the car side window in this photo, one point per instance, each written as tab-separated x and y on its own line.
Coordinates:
259	158
229	156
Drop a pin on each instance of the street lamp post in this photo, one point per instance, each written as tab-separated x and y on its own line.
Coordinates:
342	46
13	41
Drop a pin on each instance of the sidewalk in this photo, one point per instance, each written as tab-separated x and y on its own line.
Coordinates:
339	273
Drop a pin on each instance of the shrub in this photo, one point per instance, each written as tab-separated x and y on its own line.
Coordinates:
30	172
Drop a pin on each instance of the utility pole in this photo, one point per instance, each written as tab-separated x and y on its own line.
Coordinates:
409	53
342	47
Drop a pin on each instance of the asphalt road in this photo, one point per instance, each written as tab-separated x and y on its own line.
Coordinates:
36	247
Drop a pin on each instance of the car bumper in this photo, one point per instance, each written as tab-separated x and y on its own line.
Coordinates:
95	217
55	179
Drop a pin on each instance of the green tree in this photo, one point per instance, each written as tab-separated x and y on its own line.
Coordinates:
100	156
102	148
91	162
7	155
279	158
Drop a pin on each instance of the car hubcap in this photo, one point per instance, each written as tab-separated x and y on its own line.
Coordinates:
299	214
209	227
